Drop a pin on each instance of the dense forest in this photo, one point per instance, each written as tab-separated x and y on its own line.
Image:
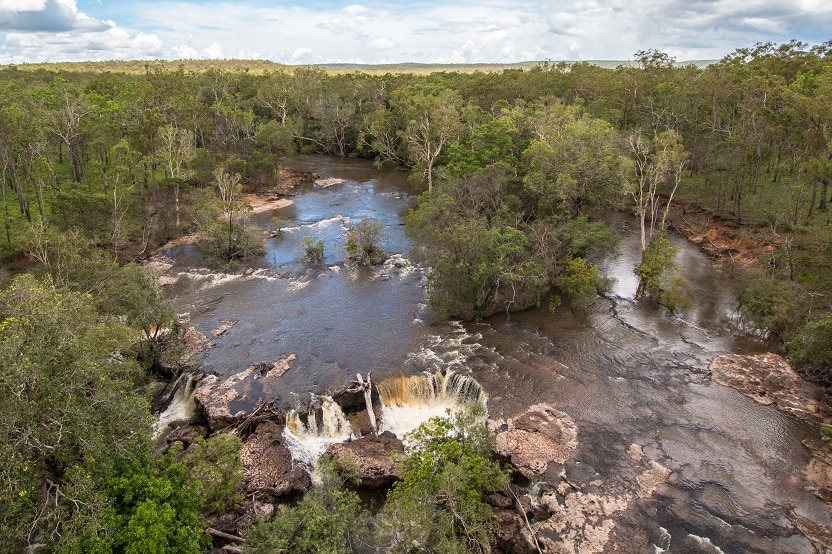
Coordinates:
100	166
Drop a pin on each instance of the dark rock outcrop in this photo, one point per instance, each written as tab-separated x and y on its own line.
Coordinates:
268	464
216	399
378	458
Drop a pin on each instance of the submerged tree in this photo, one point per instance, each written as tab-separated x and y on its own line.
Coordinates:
364	241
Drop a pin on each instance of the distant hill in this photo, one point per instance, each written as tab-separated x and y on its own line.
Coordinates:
261	66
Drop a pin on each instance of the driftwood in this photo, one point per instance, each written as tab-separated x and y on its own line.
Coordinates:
265	411
221	535
367	388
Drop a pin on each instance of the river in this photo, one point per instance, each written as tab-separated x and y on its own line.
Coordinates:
628	373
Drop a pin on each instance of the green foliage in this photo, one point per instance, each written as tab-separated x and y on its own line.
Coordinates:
364	241
579	281
489	143
156	508
215	469
327	519
129	292
438	505
222	222
313	249
659	277
71	409
811	350
767	304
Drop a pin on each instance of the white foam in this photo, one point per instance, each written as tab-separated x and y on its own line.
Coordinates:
318	225
308	441
402	419
180	408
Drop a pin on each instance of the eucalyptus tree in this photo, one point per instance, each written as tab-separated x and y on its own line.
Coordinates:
658	165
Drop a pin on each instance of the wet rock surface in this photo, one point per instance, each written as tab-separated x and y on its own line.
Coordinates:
378	458
218	400
268	464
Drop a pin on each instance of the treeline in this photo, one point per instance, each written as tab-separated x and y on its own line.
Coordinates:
129	160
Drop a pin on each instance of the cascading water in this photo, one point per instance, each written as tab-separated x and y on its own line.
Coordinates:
180	406
325	424
408	401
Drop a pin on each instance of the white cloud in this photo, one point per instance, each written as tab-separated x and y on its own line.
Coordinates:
46	16
462	31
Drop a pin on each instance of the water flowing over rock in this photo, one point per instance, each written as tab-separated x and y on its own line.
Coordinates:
407	401
268	464
179	406
308	436
378	458
541	436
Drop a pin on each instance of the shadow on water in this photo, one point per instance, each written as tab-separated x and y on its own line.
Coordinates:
626	372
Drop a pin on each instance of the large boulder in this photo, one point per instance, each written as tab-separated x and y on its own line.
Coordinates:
378	458
537	438
268	464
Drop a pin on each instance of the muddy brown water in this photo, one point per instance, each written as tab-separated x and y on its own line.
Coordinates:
626	372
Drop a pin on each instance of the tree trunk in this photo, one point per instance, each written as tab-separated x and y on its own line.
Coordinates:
367	388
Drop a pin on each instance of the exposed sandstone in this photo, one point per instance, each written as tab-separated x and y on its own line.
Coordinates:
768	379
216	398
540	436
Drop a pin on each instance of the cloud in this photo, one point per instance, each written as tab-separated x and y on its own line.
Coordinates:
395	31
113	44
52	16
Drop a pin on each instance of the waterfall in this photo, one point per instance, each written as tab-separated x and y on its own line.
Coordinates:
180	404
325	424
408	401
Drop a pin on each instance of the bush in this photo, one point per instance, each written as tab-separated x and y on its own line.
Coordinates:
313	249
812	350
659	276
438	505
364	241
767	304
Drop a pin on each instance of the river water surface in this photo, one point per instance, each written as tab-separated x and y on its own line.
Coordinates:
627	373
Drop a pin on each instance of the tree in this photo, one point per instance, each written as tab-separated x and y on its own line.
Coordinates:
71	410
438	505
573	165
222	220
433	122
175	152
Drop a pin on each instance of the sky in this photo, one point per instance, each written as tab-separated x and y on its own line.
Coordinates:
397	31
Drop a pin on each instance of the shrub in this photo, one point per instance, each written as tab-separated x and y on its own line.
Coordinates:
326	519
313	249
811	351
364	241
438	505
